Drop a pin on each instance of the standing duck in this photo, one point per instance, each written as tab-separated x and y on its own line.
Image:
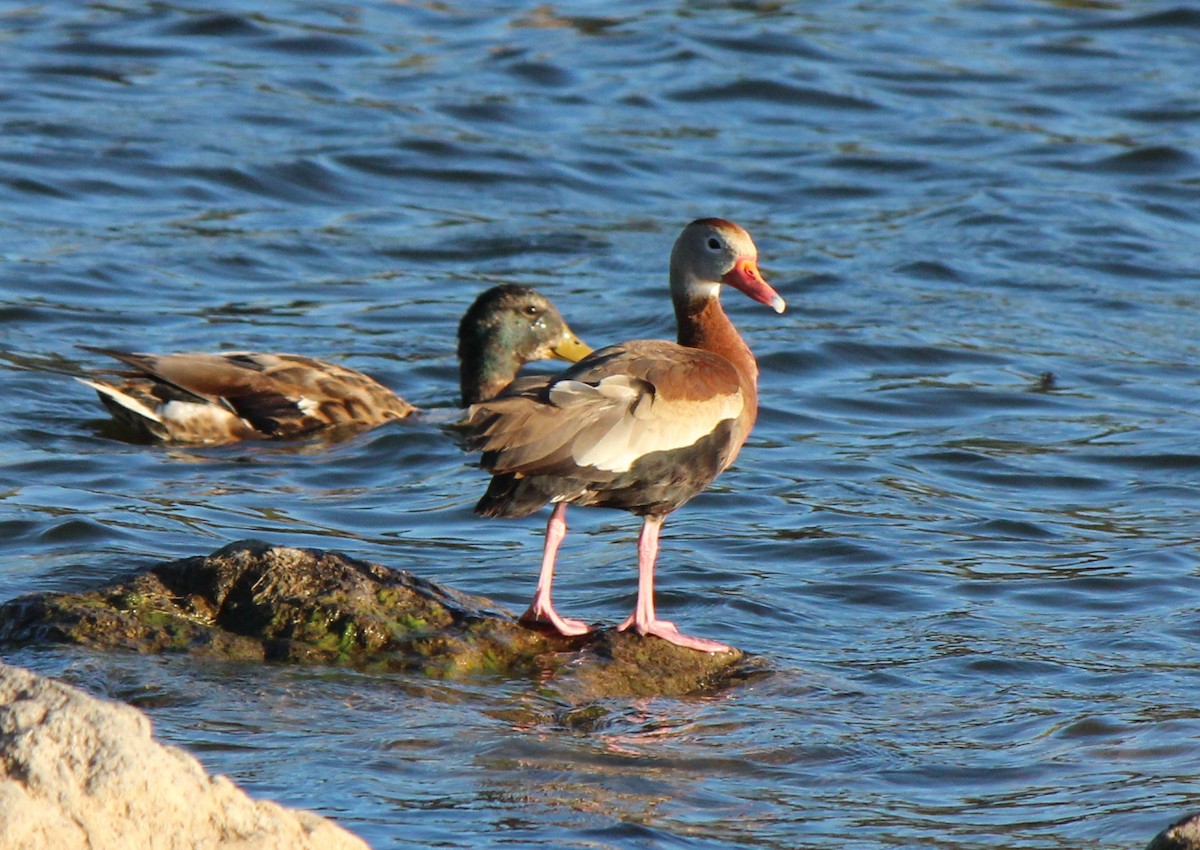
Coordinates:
245	395
642	426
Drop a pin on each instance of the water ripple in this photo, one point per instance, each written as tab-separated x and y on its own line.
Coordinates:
962	532
771	91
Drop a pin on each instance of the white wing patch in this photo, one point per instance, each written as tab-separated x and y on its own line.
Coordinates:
638	421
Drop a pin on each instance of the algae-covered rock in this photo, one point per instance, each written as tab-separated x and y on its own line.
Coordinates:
255	601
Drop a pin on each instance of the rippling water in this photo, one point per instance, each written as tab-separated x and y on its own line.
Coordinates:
964	531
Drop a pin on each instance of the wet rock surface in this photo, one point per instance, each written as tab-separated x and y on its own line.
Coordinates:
253	601
1184	834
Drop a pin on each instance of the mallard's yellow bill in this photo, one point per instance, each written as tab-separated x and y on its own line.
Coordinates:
570	348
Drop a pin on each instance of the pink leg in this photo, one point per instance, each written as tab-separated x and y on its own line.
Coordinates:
643	618
541	610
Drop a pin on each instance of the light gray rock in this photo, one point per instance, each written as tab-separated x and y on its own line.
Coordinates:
81	772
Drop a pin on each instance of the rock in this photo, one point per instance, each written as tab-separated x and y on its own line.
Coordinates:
1184	834
255	601
80	772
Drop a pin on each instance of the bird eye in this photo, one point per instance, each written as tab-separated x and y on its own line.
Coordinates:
714	244
532	310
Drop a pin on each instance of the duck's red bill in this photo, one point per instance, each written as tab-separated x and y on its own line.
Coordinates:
746	277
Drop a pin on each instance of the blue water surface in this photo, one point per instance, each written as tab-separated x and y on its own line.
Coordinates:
964	533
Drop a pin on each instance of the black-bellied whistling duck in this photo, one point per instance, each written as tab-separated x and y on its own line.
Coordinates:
243	395
642	426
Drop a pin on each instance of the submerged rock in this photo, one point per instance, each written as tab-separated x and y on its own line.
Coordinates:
80	772
254	601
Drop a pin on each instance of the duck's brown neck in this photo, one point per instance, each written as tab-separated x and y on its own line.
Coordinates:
704	325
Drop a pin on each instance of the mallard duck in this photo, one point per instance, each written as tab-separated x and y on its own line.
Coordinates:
643	426
246	395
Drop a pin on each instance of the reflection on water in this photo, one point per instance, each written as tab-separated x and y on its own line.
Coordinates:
963	532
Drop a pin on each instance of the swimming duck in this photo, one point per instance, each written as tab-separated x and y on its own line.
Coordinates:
246	395
643	426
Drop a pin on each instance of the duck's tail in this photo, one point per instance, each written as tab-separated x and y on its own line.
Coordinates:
129	410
